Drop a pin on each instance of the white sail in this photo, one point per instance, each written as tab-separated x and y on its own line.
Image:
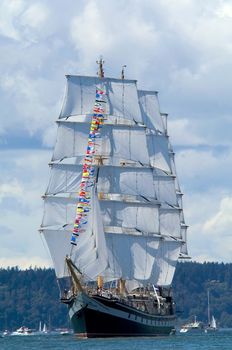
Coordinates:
130	215
159	151
166	262
58	242
170	222
165	188
213	323
126	180
118	144
184	248
140	181
134	226
164	117
90	256
150	260
64	178
71	140
173	169
121	95
45	330
59	211
180	205
150	110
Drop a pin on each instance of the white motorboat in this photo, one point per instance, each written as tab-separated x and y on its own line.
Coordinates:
22	331
195	326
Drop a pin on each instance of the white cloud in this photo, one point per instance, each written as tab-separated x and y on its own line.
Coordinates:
36	103
24	241
182	133
115	30
25	262
209	235
22	21
222	220
8	11
205	179
201	170
83	33
224	11
12	189
35	15
22	207
49	136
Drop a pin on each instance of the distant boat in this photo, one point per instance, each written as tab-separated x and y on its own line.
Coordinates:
6	332
45	330
65	332
196	327
212	324
22	331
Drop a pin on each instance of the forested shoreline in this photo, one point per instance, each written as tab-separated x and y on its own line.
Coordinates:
190	285
28	297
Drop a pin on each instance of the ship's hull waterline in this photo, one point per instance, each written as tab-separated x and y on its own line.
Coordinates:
94	317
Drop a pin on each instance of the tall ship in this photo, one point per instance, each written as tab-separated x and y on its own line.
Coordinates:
113	218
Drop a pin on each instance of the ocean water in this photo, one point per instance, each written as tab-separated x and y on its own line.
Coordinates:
221	340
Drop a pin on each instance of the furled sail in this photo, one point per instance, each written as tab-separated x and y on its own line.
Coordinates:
132	226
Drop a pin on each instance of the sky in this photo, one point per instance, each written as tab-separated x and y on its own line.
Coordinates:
181	48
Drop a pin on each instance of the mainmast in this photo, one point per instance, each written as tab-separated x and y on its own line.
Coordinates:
100	69
208	307
123	72
100	160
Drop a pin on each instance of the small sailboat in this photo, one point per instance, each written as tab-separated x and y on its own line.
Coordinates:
42	330
45	329
212	324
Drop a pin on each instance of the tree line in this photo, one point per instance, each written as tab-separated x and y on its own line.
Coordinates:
32	296
191	283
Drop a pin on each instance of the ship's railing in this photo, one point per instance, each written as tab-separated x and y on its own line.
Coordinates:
143	302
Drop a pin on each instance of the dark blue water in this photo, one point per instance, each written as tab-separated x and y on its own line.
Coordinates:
221	340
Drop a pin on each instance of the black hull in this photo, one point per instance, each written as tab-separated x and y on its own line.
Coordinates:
93	317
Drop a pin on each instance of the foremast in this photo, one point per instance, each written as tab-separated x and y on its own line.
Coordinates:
89	172
89	177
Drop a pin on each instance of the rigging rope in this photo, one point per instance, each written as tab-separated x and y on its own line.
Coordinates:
87	181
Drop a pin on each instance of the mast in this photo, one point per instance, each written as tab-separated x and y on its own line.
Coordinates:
123	72
208	307
99	160
100	70
72	268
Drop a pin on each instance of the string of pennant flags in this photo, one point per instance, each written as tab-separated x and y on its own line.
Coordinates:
87	180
